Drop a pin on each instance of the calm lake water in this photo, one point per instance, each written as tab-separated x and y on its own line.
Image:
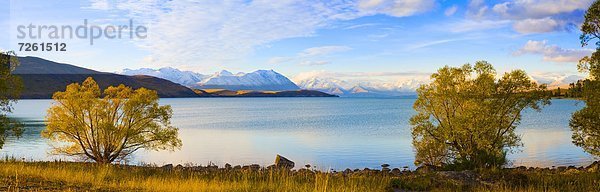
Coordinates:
333	133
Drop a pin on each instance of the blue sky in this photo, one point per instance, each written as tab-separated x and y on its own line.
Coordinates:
379	39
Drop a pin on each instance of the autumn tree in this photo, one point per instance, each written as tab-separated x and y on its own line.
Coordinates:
10	88
109	126
466	118
585	123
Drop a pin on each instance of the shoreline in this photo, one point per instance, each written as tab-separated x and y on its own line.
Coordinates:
52	176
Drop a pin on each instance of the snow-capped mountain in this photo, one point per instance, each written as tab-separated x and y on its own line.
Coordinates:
265	80
186	78
555	80
361	88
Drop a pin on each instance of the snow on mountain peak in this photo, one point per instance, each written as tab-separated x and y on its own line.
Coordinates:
267	80
257	80
223	73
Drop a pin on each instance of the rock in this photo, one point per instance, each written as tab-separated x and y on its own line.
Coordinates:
168	166
227	166
521	168
347	171
307	166
179	167
561	168
396	171
385	165
385	170
426	169
237	167
212	167
594	167
282	162
255	167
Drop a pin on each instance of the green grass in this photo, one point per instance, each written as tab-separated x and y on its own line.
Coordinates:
69	176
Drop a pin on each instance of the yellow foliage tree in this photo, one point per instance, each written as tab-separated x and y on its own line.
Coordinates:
111	126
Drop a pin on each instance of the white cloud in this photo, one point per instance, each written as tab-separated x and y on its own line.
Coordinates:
527	16
99	5
315	62
525	9
544	25
451	10
541	16
397	8
552	53
468	25
306	55
361	25
437	42
324	50
204	33
477	9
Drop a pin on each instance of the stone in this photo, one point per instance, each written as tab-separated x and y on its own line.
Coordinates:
179	167
237	167
396	171
167	166
347	171
282	162
561	168
255	167
227	166
426	169
385	170
385	165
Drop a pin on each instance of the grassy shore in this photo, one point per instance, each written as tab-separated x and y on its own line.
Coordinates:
68	176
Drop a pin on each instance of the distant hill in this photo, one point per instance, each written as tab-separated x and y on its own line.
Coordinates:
35	65
42	78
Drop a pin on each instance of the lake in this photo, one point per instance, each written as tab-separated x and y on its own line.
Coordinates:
334	133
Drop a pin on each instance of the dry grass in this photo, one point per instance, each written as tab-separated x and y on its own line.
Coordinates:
81	176
69	176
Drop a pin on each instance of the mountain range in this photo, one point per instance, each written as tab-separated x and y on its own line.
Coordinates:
272	81
42	78
269	80
261	80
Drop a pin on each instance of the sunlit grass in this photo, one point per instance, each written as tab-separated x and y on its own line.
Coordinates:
77	176
69	176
